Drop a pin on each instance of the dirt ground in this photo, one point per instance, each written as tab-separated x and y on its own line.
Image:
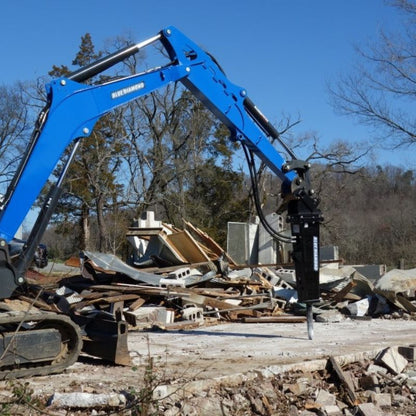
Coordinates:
225	352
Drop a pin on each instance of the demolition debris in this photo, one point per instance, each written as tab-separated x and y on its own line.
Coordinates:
181	279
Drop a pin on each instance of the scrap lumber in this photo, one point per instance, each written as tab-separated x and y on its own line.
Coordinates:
136	304
339	296
212	245
104	299
345	381
39	303
186	245
280	319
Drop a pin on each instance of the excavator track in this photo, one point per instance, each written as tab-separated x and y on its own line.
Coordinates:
37	343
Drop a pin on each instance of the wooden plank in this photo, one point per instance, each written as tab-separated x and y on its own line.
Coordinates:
349	388
39	303
282	319
185	244
136	304
209	242
339	296
104	299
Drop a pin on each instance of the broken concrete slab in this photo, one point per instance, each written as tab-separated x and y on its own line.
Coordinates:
369	409
332	410
381	399
392	359
324	398
87	400
330	315
242	242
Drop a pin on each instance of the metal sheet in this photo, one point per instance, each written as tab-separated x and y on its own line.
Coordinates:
109	262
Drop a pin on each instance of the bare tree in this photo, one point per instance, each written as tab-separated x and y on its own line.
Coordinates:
13	129
380	91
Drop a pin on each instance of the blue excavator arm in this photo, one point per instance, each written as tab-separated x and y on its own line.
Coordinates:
73	107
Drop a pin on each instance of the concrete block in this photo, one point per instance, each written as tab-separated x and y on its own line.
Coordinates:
359	308
375	369
324	398
147	220
179	277
332	410
408	352
240	274
381	399
288	275
329	253
149	315
86	400
369	409
394	361
331	315
193	313
271	277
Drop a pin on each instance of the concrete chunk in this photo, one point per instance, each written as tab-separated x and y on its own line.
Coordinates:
394	361
331	315
150	315
324	398
359	308
369	409
381	399
86	400
332	410
376	369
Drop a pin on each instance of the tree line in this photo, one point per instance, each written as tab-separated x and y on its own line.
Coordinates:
165	152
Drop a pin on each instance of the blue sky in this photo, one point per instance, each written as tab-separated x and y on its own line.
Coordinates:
282	51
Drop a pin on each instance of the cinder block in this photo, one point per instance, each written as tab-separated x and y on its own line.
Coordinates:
149	315
193	313
408	352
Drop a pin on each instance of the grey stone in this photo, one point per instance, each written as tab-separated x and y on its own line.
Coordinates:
324	398
369	409
381	399
394	361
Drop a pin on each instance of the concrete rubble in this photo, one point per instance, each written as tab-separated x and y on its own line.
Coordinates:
365	388
357	388
181	279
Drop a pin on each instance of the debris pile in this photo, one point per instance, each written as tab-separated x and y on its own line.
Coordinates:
181	278
383	385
